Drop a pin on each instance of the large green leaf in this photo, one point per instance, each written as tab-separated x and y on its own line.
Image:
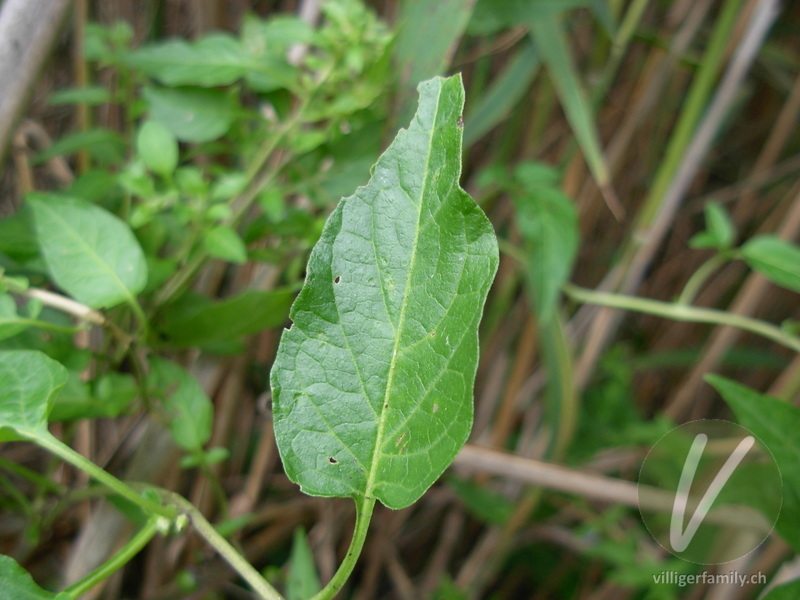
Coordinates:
17	584
372	385
91	254
776	422
775	259
29	383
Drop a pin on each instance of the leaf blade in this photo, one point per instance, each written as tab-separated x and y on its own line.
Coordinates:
548	221
775	259
90	253
192	115
190	412
371	396
17	583
770	418
29	381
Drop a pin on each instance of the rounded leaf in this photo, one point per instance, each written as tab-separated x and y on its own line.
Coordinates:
158	148
90	253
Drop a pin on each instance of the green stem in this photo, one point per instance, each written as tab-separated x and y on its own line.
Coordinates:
692	110
67	454
699	277
563	398
618	46
682	312
363	517
144	324
207	531
46	325
116	562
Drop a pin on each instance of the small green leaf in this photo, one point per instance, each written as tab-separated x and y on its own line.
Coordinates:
719	233
17	583
158	148
192	115
775	259
770	419
372	385
110	395
10	322
197	321
303	580
548	222
212	61
189	410
90	253
91	96
208	457
17	235
487	505
104	146
223	242
719	225
29	381
703	240
229	186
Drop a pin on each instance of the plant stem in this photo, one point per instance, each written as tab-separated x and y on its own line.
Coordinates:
67	454
207	531
144	324
682	312
691	111
699	277
363	516
46	325
64	304
120	559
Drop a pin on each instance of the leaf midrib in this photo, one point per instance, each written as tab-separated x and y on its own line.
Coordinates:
384	407
70	231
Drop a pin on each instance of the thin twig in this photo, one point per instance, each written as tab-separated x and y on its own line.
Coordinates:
594	487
